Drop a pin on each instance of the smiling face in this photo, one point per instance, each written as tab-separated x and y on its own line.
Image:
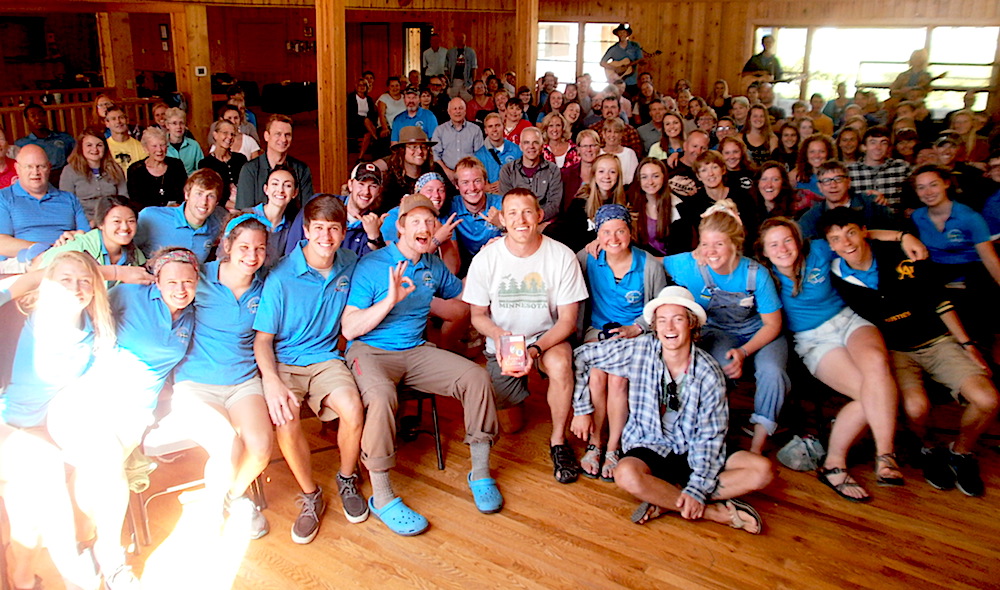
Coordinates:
117	122
614	236
247	251
717	250
876	149
233	117
280	188
415	154
650	179
848	142
199	204
436	192
33	168
224	134
572	112
850	244
531	145
739	111
711	175
176	127
816	153
673	326
780	248
770	184
931	188
278	137
411	101
92	149
806	127
672	126
471	185
178	282
789	138
118	226
555	130
157	148
364	194
725	129
494	130
612	138
325	237
521	216
732	154
606	175
757	118
456	111
71	285
416	229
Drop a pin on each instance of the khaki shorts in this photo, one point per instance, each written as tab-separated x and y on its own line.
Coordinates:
225	396
313	383
945	361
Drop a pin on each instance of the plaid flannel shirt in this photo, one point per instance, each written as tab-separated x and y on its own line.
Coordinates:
701	426
887	179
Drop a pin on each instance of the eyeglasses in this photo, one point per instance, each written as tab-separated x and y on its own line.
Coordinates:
832	179
588	146
669	399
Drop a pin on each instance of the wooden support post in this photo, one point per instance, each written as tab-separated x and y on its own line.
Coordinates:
189	34
331	86
525	41
117	65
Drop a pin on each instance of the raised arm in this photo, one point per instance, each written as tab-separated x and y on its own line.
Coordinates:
358	322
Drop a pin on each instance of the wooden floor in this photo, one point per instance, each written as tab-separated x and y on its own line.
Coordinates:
575	536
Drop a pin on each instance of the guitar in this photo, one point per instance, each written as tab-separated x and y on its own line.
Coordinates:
618	69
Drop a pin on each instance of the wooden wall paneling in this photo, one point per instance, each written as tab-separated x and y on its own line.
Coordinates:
354	45
375	54
117	65
525	41
332	88
189	30
147	50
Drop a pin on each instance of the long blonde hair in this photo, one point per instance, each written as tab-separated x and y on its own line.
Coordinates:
99	308
593	194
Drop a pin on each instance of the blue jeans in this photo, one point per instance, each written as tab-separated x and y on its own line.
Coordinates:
769	371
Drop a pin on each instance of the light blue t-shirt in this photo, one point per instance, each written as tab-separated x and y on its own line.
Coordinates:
47	359
474	232
150	341
160	227
423	119
222	345
303	309
957	243
817	300
616	301
683	269
403	328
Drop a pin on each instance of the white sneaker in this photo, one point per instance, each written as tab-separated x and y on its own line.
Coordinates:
242	510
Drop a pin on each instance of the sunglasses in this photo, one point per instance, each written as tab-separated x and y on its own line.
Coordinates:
669	400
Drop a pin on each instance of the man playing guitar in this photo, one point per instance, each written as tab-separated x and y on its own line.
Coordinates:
620	59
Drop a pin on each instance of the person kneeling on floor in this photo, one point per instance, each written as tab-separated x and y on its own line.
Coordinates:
674	440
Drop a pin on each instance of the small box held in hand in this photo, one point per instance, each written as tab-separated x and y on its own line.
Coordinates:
513	353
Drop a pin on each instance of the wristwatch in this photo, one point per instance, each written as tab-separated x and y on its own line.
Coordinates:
536	347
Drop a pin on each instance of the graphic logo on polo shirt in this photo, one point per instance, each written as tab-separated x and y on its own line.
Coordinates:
633	297
527	293
815	276
955	236
343	284
183	333
428	280
253	303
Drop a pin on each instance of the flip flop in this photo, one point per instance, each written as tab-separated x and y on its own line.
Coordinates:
645	509
824	476
738	522
400	518
486	495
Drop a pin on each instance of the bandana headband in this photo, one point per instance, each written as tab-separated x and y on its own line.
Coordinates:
180	255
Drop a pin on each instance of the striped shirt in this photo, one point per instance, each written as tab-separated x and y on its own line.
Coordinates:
887	178
701	423
24	217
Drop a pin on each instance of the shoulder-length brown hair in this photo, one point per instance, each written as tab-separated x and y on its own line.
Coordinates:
108	166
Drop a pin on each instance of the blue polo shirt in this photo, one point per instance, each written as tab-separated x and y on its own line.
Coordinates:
991	213
48	358
58	146
24	217
222	345
150	341
389	231
403	328
190	154
508	153
303	310
423	119
683	269
963	229
277	241
817	300
868	278
474	231
160	227
614	300
355	236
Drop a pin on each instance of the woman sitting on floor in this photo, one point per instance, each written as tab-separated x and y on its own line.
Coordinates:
839	348
621	279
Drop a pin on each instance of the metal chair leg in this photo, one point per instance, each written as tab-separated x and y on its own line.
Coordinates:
437	432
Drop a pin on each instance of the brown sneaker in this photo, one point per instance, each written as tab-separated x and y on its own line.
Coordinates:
355	505
311	509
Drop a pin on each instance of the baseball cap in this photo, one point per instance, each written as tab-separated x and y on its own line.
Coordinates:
367	171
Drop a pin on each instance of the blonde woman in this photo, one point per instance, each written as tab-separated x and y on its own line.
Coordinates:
558	148
612	135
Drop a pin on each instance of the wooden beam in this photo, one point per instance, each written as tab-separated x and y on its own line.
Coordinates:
331	87
525	41
189	34
117	65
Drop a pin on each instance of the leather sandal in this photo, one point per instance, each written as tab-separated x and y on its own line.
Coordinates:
888	462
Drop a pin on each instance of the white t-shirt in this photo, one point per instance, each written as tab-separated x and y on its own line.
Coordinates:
362	105
629	162
392	107
524	294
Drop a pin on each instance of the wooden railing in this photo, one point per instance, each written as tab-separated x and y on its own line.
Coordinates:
66	95
73	118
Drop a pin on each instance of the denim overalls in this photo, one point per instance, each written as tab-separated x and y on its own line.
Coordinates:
733	320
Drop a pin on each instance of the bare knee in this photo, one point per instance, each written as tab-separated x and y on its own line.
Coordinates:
981	394
617	387
258	444
629	474
916	405
762	471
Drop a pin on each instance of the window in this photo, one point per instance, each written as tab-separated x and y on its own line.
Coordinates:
571	49
961	58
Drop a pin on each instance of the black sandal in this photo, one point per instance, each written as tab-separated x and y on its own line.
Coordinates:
566	469
888	461
824	476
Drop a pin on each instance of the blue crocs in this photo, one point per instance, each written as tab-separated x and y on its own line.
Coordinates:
400	518
485	493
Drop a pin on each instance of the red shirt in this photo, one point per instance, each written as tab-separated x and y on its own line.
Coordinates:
515	134
8	176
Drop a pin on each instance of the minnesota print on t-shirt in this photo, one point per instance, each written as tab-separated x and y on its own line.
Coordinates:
528	293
